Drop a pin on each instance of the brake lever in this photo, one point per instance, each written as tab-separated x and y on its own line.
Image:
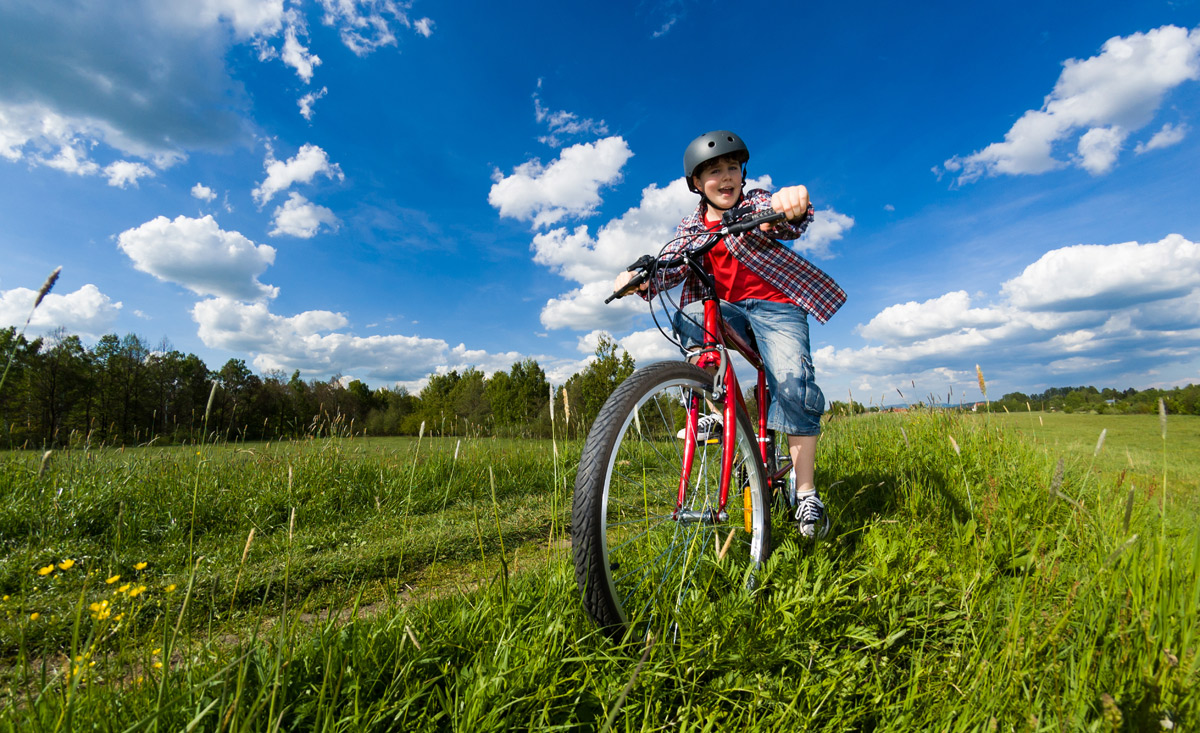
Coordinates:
736	221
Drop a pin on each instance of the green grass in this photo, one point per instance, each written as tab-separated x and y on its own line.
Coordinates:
1133	453
969	586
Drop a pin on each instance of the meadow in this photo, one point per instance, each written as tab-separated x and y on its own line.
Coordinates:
986	572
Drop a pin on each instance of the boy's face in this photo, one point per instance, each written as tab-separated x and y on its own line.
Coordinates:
721	182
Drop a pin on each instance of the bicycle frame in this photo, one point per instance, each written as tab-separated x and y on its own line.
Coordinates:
714	354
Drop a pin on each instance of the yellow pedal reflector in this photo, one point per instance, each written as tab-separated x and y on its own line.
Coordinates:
747	510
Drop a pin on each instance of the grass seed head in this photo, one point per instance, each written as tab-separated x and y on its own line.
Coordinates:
47	286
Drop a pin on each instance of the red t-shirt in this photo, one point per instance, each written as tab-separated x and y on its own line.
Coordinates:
735	282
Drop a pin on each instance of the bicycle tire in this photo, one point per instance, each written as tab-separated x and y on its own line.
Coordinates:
637	567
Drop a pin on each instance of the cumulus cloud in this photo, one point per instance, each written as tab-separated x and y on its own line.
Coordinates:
306	165
297	56
827	227
1129	307
299	217
567	187
123	173
1100	276
1166	137
912	321
313	343
1108	97
204	193
308	100
86	312
200	256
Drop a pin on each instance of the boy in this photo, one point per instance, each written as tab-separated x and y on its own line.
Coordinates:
765	286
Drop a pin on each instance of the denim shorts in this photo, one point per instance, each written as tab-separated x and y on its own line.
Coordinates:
781	333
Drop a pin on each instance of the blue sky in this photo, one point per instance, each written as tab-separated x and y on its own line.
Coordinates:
383	190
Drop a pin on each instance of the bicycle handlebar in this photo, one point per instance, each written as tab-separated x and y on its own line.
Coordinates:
734	221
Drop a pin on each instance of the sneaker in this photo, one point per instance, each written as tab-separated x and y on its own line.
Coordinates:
708	427
811	517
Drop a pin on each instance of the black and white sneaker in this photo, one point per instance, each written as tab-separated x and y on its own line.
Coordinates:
811	517
708	427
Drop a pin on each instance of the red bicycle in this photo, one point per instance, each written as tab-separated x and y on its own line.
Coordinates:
664	518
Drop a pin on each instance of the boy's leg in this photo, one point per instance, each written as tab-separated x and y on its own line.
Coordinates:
803	449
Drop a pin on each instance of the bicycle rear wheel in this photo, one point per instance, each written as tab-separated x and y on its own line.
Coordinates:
640	564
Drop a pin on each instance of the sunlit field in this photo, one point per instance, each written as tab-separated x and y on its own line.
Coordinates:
426	584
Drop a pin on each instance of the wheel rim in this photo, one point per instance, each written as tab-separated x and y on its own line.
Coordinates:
656	565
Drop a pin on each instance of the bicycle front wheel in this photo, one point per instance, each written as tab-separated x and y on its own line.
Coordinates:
642	561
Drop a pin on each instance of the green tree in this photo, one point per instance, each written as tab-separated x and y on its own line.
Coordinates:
60	381
590	388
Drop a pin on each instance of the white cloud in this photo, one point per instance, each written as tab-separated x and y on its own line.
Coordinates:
200	256
1128	307
124	172
85	312
1166	137
312	343
912	321
569	186
366	25
827	227
1108	96
297	56
1098	149
308	100
563	123
204	193
309	162
247	18
1088	276
593	262
301	218
71	159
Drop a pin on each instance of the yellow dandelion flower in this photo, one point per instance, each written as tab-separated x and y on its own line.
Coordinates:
156	652
140	566
123	588
34	616
6	598
137	591
66	564
170	589
46	570
158	665
120	616
113	579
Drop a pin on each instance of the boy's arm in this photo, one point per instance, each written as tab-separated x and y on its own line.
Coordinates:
793	202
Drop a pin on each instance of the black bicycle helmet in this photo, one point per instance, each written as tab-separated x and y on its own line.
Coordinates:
708	146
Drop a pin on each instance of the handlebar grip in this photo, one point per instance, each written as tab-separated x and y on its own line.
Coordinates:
629	288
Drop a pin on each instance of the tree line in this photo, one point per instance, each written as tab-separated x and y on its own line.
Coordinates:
1177	401
58	392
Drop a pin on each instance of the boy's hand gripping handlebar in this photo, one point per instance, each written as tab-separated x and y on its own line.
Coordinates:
734	221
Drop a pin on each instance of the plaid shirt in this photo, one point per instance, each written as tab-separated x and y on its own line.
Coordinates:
797	278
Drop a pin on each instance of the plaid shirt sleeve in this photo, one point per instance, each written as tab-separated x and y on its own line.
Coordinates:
803	282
